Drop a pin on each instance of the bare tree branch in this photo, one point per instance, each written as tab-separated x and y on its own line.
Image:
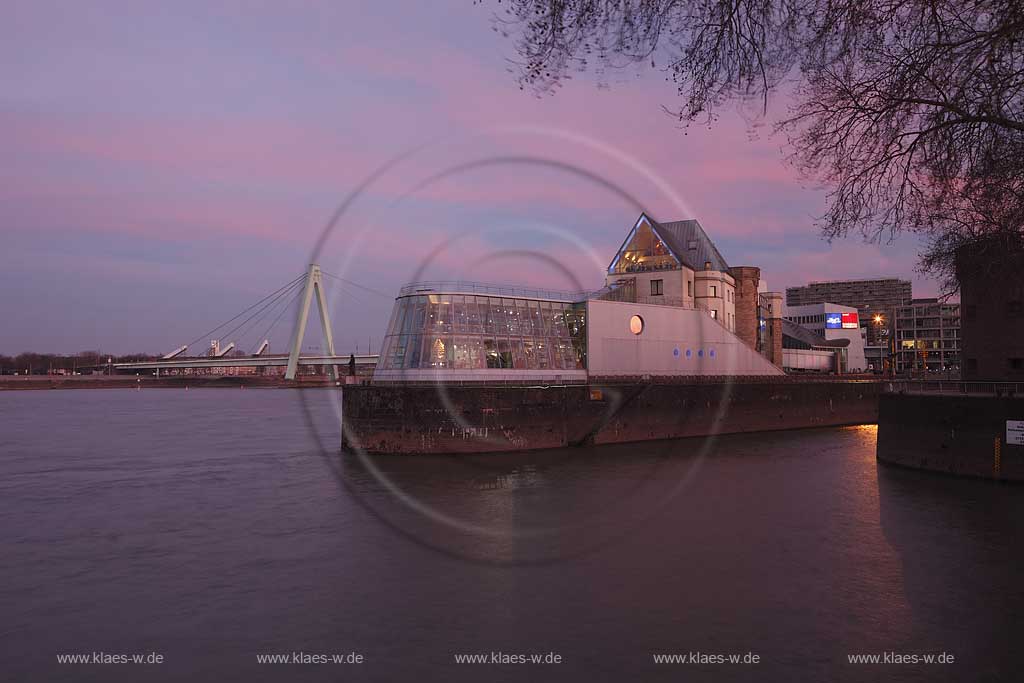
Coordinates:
911	113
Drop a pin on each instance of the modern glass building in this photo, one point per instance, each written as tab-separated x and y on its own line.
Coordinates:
473	332
462	326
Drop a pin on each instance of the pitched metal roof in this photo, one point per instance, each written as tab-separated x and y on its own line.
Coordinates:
690	243
685	239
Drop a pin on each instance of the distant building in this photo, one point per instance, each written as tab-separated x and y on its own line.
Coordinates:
806	351
864	295
992	300
926	337
871	298
830	322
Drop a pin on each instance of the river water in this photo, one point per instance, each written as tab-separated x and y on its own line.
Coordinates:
214	527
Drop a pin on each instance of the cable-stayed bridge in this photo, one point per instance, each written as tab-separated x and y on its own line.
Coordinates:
304	290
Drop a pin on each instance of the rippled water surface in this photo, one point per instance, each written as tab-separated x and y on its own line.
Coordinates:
211	527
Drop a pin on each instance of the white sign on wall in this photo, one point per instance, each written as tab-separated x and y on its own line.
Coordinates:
1015	432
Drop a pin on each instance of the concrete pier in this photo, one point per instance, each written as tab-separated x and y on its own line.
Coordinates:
477	419
963	435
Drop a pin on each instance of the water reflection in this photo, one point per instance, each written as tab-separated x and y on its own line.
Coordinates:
523	508
942	528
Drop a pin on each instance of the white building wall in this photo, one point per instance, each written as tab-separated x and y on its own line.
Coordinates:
723	300
674	284
801	359
855	359
675	341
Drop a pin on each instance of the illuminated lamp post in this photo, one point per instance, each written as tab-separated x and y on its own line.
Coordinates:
879	321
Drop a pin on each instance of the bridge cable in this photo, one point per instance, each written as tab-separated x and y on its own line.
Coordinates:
228	334
356	284
287	305
262	313
226	322
349	292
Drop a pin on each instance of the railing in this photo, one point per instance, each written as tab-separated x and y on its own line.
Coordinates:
605	294
639	268
911	386
464	287
670	301
673	301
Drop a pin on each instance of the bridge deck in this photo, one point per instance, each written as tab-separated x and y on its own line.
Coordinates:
244	362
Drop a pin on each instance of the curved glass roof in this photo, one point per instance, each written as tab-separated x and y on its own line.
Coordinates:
492	289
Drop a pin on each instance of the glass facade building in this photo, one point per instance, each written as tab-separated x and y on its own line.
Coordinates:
459	331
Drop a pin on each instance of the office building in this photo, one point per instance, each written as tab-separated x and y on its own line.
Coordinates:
926	338
873	298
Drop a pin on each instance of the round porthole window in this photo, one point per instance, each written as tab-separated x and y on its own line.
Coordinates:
636	324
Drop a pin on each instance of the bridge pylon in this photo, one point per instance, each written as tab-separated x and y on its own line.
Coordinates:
314	285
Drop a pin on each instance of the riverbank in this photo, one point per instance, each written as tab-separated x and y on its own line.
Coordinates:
44	382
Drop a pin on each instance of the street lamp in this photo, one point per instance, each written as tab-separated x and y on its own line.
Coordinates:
879	320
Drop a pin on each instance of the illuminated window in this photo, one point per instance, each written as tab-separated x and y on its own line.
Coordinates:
467	332
437	354
644	252
636	324
713	290
714	313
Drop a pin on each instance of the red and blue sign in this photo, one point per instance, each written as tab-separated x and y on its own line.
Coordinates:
841	321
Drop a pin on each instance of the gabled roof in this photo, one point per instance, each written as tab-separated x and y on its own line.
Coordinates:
690	244
686	240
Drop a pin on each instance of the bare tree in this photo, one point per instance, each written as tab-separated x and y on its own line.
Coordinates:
911	113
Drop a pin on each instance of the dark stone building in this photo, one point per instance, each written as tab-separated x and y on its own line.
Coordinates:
991	275
747	279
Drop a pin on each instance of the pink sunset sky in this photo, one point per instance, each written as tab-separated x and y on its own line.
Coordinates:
167	165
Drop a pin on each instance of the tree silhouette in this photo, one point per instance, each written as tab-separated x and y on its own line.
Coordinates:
910	113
